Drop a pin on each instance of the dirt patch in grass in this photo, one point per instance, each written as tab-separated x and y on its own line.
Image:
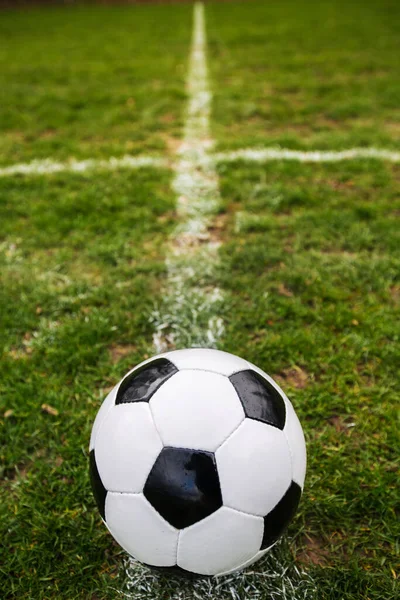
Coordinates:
283	291
10	474
294	377
395	293
341	424
217	227
19	353
117	352
393	128
340	185
172	143
314	552
190	241
168	118
213	235
47	133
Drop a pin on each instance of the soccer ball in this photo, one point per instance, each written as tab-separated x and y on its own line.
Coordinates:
197	462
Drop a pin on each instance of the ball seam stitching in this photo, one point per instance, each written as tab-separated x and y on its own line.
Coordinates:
204	370
102	420
155	425
230	434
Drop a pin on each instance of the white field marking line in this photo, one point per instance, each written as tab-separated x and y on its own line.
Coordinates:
48	166
188	315
275	577
261	155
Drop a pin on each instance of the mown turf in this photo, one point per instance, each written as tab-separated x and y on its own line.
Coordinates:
81	263
311	268
91	81
305	73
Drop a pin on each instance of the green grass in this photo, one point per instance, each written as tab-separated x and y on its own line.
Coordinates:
91	81
75	297
311	269
305	73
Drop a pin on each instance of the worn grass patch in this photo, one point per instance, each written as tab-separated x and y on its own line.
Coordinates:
305	74
309	272
91	81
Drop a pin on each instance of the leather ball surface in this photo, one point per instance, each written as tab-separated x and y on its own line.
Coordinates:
197	462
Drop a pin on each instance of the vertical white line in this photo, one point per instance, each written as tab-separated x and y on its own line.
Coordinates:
187	316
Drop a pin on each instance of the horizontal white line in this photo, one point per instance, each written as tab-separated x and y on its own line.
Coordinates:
48	166
315	156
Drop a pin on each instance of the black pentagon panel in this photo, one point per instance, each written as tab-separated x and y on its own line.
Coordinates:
175	571
183	486
279	518
99	491
144	382
260	400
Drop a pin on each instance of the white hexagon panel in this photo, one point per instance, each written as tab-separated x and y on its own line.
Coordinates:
197	462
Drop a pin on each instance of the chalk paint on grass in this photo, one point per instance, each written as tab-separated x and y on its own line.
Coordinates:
262	155
274	577
50	167
187	315
189	155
